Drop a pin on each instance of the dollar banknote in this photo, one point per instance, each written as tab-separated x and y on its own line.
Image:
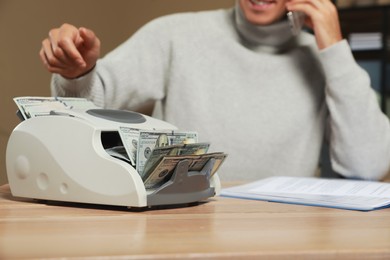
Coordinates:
163	171
178	150
150	140
155	156
167	165
200	163
30	107
130	137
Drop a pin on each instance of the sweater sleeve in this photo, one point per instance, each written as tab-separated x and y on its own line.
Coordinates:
128	77
359	131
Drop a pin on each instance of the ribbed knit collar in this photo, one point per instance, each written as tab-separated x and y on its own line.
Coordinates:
275	37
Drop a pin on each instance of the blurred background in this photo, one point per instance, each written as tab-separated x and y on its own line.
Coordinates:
24	24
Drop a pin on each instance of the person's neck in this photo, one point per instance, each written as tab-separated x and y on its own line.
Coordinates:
275	37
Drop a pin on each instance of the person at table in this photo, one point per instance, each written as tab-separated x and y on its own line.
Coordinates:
243	81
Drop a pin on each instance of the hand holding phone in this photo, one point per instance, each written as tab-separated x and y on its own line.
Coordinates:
296	20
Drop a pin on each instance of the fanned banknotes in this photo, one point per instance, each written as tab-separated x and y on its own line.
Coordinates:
140	143
30	107
177	150
167	164
155	154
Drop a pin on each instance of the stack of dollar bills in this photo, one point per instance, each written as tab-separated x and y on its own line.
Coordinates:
155	154
30	107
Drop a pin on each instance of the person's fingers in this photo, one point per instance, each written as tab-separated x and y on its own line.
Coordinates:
48	66
55	56
67	39
322	17
43	58
69	51
51	62
89	38
55	65
90	48
66	71
47	55
53	37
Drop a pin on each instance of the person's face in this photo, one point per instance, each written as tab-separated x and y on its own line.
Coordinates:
263	12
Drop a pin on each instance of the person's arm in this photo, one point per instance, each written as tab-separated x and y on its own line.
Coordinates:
128	77
359	131
71	54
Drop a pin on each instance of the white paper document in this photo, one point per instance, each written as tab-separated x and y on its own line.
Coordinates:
336	193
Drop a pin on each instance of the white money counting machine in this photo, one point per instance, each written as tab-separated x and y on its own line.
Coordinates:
63	157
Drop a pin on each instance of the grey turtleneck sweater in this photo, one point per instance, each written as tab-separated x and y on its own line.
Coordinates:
260	94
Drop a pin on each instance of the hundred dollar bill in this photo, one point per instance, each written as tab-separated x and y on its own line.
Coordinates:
40	106
167	165
130	137
159	152
219	159
199	164
192	149
149	140
164	170
29	107
155	156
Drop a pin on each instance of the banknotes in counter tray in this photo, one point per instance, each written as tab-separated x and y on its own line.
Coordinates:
157	153
165	167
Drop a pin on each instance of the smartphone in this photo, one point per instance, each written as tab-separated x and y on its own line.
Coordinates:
296	20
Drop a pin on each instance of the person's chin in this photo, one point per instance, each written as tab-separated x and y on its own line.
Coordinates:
260	19
259	12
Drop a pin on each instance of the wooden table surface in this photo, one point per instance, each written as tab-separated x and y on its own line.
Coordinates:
219	228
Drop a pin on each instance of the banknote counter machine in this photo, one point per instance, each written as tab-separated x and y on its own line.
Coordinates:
63	157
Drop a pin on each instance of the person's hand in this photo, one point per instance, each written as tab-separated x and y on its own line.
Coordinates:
321	17
69	51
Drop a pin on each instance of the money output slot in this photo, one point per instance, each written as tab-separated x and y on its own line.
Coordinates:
184	185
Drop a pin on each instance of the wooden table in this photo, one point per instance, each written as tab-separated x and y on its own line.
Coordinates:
219	228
